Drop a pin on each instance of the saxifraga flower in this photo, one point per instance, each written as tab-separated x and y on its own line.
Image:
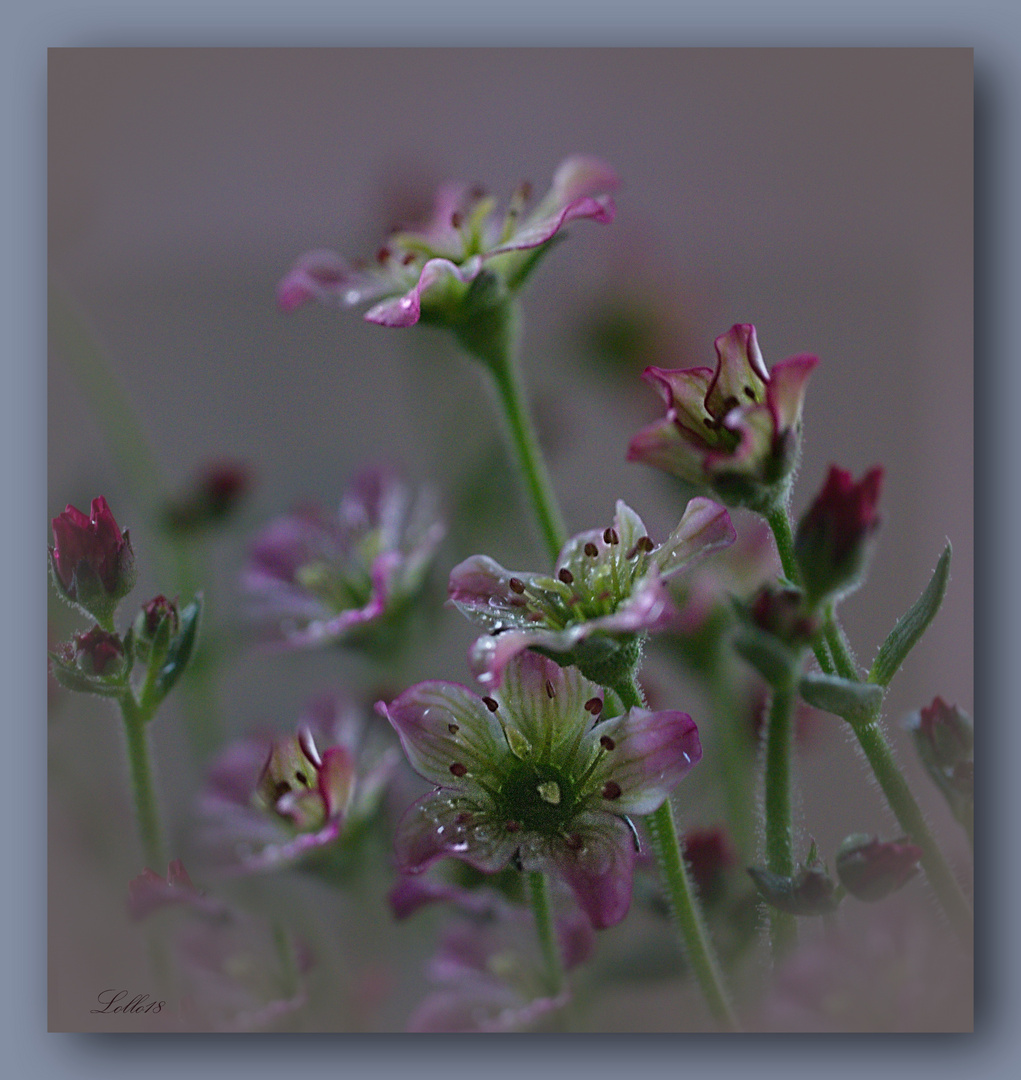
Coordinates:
736	429
331	577
432	274
607	588
531	774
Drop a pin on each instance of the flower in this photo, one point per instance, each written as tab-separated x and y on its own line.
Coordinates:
213	495
273	801
831	543
328	578
944	740
91	559
489	971
92	663
149	892
871	869
431	274
606	588
735	430
532	775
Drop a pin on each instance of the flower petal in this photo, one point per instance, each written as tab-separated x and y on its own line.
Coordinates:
480	589
438	826
662	445
406	310
705	526
651	753
786	392
741	376
601	871
448	733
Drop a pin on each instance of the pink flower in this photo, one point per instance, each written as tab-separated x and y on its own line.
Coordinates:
431	273
735	429
531	775
272	802
326	578
91	559
150	892
832	539
607	587
488	971
871	869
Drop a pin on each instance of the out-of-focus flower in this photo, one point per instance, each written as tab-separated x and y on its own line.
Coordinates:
213	496
886	969
945	740
91	559
736	429
608	587
531	775
709	854
464	257
271	802
150	892
325	578
871	869
489	970
832	540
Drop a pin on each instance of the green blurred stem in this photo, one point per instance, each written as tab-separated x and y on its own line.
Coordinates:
146	814
493	339
908	814
684	904
837	642
544	927
779	824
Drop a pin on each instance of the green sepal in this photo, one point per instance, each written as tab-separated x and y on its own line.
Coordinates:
811	892
912	624
178	653
773	660
855	702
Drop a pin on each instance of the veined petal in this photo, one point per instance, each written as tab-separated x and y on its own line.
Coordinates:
544	702
756	429
741	376
324	276
705	526
601	871
537	231
662	445
576	176
684	392
448	733
645	755
627	529
438	826
786	392
480	589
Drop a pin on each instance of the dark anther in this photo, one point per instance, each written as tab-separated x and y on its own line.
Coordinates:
566	576
490	704
645	544
301	778
460	770
512	826
594	705
536	616
408	259
456	219
383	254
749	392
550	692
453	729
591	550
607	744
516	585
573	842
611	789
610	536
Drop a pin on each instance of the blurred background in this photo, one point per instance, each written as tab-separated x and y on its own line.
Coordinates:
823	195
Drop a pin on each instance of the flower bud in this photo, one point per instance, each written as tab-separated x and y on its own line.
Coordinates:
944	740
871	869
92	663
832	540
212	497
153	628
810	891
91	560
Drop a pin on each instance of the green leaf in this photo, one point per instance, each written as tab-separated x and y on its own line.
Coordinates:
855	702
904	636
179	652
766	653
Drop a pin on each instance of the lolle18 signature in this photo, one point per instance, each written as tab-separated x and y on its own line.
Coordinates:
113	1002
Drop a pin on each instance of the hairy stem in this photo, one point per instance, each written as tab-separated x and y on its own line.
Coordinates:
142	789
539	896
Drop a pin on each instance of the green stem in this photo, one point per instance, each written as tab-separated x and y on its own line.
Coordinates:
146	814
780	523
837	642
898	795
684	904
546	931
779	824
493	340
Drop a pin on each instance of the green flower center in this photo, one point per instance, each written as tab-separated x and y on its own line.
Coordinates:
537	798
